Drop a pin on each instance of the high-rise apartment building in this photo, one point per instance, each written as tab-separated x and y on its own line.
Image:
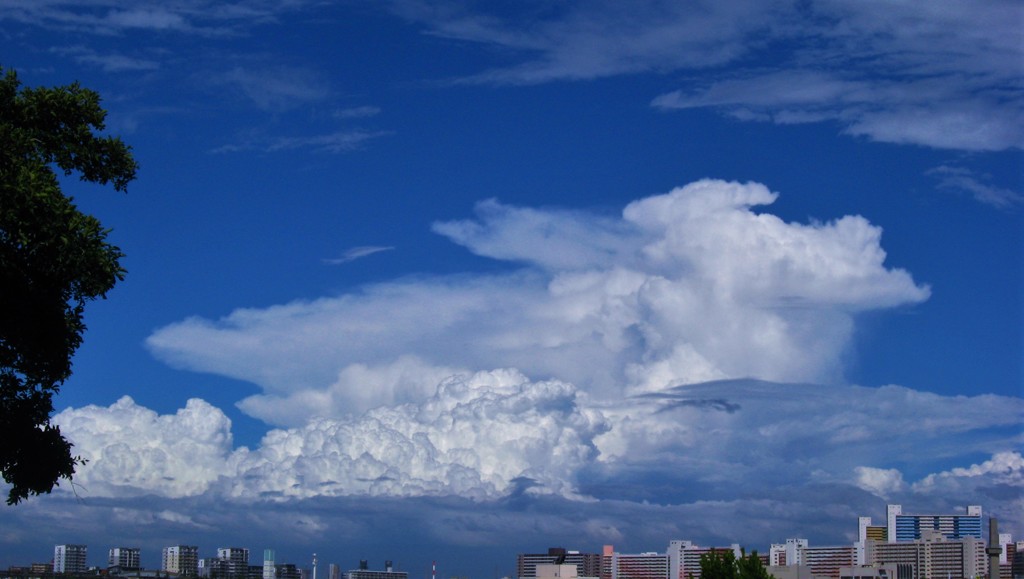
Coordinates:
124	557
821	561
866	531
905	527
180	559
269	571
231	563
787	554
933	556
606	562
1016	559
587	564
287	571
69	558
827	561
234	554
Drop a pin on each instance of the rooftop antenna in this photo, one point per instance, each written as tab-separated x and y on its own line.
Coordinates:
314	565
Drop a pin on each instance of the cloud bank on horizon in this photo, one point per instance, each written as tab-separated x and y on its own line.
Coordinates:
621	349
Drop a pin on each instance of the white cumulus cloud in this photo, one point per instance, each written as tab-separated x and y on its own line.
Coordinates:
476	437
1003	468
879	481
479	436
131	450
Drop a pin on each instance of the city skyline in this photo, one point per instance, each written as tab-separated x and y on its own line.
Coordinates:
466	277
898	528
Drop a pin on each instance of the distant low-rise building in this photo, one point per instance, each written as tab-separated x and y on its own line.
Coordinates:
893	571
364	572
792	572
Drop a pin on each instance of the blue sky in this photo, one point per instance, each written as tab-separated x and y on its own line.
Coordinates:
456	280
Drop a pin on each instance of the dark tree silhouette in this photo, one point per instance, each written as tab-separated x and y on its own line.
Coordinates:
53	259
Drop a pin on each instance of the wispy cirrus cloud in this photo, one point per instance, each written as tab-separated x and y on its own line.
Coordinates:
587	40
953	115
961	180
947	76
278	87
356	112
944	75
114	17
147	19
111	62
342	141
355	253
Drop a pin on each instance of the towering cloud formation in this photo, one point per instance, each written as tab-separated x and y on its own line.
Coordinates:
684	287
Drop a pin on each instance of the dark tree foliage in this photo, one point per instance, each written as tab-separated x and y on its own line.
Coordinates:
53	259
723	564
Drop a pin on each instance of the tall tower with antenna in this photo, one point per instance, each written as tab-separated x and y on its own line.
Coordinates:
314	565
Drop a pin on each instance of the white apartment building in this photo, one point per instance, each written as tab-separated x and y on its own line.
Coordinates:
181	559
69	559
124	557
787	554
234	555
